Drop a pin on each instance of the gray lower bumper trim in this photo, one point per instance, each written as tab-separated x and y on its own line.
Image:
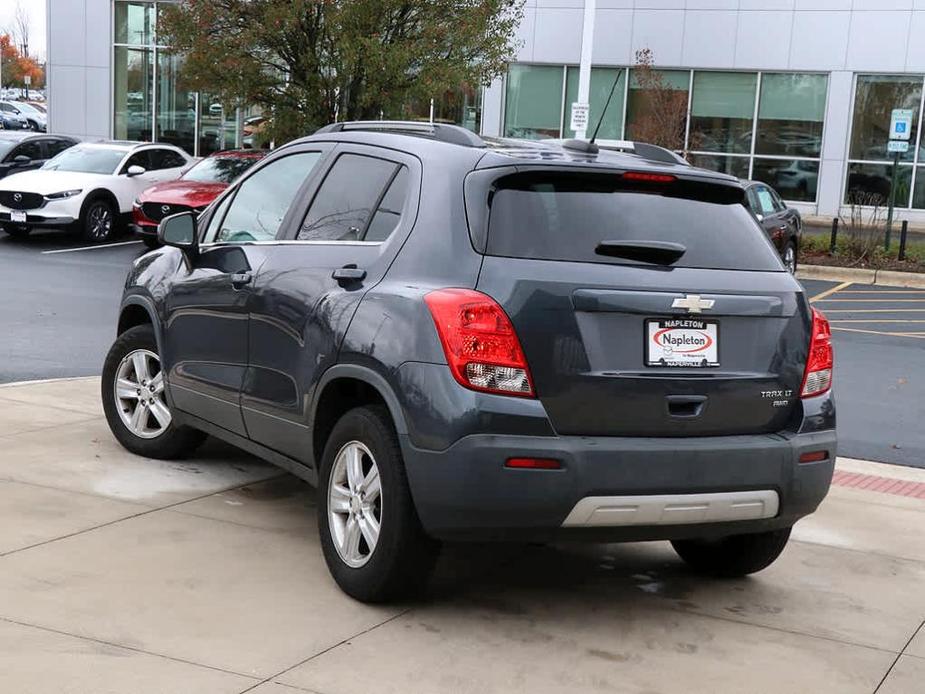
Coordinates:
673	509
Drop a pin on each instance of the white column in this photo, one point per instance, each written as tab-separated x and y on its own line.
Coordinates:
584	69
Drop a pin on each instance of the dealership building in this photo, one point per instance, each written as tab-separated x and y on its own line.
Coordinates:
797	93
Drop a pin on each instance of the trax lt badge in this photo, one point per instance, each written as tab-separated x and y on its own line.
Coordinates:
693	303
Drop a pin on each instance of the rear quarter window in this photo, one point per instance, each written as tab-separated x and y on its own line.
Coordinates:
565	216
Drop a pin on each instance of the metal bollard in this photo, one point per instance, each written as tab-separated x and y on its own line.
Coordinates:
834	236
902	239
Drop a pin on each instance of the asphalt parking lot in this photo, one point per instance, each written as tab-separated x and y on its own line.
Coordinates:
61	301
125	575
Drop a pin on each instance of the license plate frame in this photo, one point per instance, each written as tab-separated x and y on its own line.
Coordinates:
18	216
658	353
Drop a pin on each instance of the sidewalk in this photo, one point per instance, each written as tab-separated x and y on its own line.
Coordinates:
131	576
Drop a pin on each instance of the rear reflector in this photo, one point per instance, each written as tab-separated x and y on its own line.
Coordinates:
480	344
533	463
817	378
814	456
648	177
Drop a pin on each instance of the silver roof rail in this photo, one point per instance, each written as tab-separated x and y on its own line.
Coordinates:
442	132
645	150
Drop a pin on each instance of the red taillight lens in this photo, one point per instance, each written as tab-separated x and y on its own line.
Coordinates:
533	464
481	346
648	177
817	378
814	457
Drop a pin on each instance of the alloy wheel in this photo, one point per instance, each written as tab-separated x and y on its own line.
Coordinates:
355	504
99	221
790	260
139	394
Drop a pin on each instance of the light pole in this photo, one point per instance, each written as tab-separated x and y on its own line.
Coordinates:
584	68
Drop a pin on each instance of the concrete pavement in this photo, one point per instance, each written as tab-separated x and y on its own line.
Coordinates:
125	575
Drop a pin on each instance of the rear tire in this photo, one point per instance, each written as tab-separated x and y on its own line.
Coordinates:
402	556
152	433
733	556
17	231
98	221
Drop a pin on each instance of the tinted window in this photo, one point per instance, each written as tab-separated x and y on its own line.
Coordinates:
5	146
141	159
387	217
7	108
31	149
261	202
566	216
346	200
55	147
166	159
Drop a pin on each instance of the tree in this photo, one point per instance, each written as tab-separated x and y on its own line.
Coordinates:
14	66
659	116
310	62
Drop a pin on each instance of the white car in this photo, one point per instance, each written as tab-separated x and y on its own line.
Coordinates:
89	187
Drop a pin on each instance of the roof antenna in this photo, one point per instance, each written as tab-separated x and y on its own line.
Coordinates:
604	112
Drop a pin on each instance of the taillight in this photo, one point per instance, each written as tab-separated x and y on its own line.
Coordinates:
648	177
481	346
817	378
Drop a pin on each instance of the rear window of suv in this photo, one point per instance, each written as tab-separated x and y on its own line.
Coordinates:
565	216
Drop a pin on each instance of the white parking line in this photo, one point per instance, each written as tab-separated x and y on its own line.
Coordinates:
90	248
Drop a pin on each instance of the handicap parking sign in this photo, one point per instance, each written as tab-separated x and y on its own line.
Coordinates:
901	124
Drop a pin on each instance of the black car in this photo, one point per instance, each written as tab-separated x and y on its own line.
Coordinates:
22	151
461	338
782	224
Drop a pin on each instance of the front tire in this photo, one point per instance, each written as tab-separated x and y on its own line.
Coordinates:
134	403
371	537
733	556
97	222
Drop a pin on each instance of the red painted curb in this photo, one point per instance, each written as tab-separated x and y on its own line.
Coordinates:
882	485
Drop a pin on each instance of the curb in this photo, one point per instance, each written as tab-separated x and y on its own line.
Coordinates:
890	278
40	381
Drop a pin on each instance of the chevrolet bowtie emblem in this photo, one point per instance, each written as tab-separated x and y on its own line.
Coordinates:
693	303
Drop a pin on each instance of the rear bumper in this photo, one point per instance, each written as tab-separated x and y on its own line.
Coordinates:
465	492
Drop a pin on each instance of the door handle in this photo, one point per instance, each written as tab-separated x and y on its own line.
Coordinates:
349	274
239	279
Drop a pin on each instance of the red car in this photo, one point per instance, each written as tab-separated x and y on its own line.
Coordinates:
194	190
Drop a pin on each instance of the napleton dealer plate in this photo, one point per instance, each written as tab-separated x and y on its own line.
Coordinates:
688	342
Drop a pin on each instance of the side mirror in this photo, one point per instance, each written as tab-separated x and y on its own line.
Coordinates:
22	160
180	231
135	170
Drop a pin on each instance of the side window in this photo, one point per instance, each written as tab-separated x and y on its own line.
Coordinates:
346	200
765	201
387	217
262	200
778	203
31	149
55	147
138	159
166	159
753	203
7	108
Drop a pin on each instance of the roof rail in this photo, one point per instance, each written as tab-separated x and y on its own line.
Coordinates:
645	150
443	132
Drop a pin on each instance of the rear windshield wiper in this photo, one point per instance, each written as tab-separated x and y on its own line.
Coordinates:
660	252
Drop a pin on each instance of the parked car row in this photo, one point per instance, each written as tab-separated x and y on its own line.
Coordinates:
23	115
95	188
465	338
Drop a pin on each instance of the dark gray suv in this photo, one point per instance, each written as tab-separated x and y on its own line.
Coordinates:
458	338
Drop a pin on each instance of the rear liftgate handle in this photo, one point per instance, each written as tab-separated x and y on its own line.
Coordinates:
686	406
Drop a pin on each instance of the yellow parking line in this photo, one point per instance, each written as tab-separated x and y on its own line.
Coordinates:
878	320
874	310
884	291
828	292
878	332
873	301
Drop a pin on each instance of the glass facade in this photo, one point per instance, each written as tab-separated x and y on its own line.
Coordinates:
150	100
870	166
760	125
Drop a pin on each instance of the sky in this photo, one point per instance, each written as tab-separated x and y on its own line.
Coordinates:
36	11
